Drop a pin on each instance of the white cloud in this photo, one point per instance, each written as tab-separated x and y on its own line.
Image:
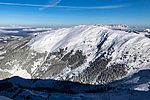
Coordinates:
19	4
95	7
54	4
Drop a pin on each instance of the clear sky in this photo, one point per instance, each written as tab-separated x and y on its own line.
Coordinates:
73	12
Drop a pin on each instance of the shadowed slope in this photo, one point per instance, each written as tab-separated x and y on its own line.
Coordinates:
127	88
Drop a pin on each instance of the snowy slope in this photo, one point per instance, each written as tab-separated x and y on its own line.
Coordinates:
131	49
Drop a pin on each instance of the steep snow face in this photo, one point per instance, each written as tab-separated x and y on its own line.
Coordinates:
82	37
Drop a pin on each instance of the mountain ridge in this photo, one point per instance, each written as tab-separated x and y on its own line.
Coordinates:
94	54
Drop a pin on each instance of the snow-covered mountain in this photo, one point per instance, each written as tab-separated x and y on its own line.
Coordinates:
94	54
116	57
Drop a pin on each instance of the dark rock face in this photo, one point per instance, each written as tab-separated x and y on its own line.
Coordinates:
75	60
112	73
99	73
57	61
90	74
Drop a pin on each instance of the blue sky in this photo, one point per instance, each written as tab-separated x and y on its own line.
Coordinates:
73	12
